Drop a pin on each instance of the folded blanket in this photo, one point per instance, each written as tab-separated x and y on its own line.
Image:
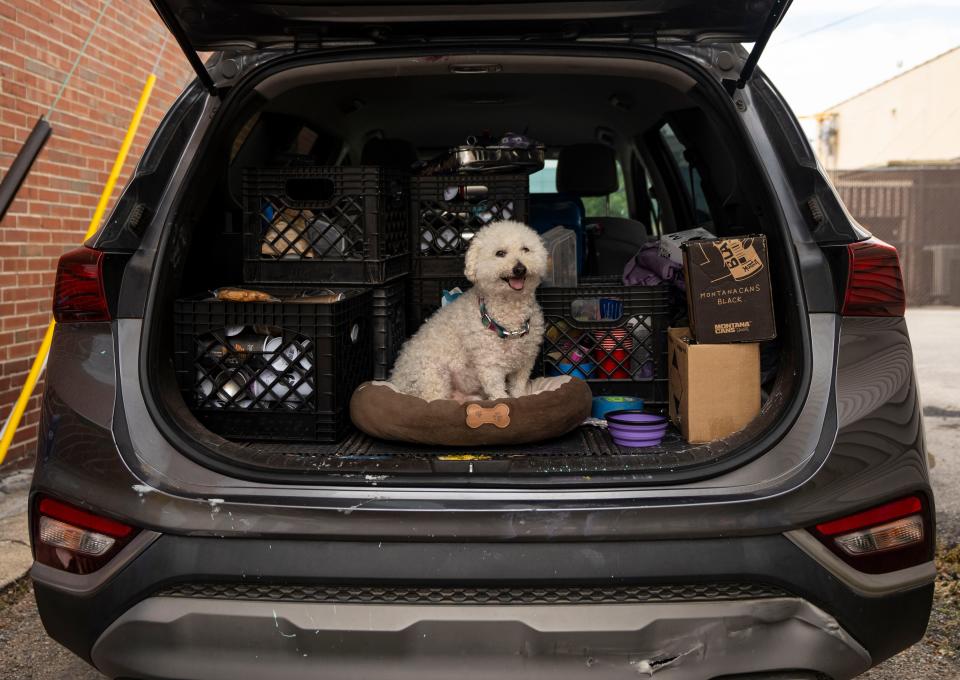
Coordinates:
649	268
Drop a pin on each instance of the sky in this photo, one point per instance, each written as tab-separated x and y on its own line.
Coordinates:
826	51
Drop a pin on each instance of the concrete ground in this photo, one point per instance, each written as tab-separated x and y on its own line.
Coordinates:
15	557
26	652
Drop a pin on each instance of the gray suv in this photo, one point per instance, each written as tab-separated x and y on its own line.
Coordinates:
799	547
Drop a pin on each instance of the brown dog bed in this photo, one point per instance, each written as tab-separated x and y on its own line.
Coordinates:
553	407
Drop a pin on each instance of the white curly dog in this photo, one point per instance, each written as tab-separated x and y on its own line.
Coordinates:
483	345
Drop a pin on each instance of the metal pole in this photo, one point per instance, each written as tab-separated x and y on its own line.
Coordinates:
20	168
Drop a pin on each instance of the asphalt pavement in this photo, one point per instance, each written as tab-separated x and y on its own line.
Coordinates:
27	653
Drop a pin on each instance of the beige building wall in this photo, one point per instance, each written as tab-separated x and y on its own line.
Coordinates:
912	117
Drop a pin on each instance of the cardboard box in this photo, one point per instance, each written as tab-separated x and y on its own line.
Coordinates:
671	244
728	290
714	389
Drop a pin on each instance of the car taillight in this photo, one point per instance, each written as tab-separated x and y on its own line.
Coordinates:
78	294
896	534
888	537
874	285
77	541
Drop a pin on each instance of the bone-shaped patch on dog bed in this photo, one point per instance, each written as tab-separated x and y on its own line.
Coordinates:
498	415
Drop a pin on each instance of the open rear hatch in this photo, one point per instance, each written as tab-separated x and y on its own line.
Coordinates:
306	27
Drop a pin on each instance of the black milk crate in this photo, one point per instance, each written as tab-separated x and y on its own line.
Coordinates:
425	297
447	210
276	371
622	353
325	224
389	326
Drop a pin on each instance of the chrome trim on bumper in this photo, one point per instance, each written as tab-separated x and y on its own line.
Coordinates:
222	639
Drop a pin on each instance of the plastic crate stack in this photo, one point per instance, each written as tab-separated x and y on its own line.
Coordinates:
611	335
445	212
334	225
333	244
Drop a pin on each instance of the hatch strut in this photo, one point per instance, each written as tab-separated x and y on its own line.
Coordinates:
168	17
776	14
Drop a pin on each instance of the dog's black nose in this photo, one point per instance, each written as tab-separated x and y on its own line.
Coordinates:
519	269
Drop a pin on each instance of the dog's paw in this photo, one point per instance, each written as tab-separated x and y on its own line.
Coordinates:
518	387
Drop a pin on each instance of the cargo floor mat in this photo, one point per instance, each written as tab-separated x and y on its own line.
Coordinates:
585	451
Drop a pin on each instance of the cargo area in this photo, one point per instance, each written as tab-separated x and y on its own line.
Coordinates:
329	219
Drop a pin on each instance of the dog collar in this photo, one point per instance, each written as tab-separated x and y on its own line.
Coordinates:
497	328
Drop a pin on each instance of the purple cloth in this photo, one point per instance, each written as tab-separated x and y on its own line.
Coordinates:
649	268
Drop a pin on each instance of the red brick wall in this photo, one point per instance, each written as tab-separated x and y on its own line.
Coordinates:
39	40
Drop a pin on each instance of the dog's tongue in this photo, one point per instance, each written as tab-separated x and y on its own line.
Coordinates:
516	283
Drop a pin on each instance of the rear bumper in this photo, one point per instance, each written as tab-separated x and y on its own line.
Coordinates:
695	640
125	620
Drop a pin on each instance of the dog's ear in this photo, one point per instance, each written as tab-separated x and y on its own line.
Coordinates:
470	261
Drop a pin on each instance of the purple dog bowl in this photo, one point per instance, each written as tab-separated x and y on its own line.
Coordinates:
633	418
636	429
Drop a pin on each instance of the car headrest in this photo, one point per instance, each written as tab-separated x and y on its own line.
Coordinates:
587	170
391	153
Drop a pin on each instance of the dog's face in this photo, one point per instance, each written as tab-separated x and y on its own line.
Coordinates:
506	258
